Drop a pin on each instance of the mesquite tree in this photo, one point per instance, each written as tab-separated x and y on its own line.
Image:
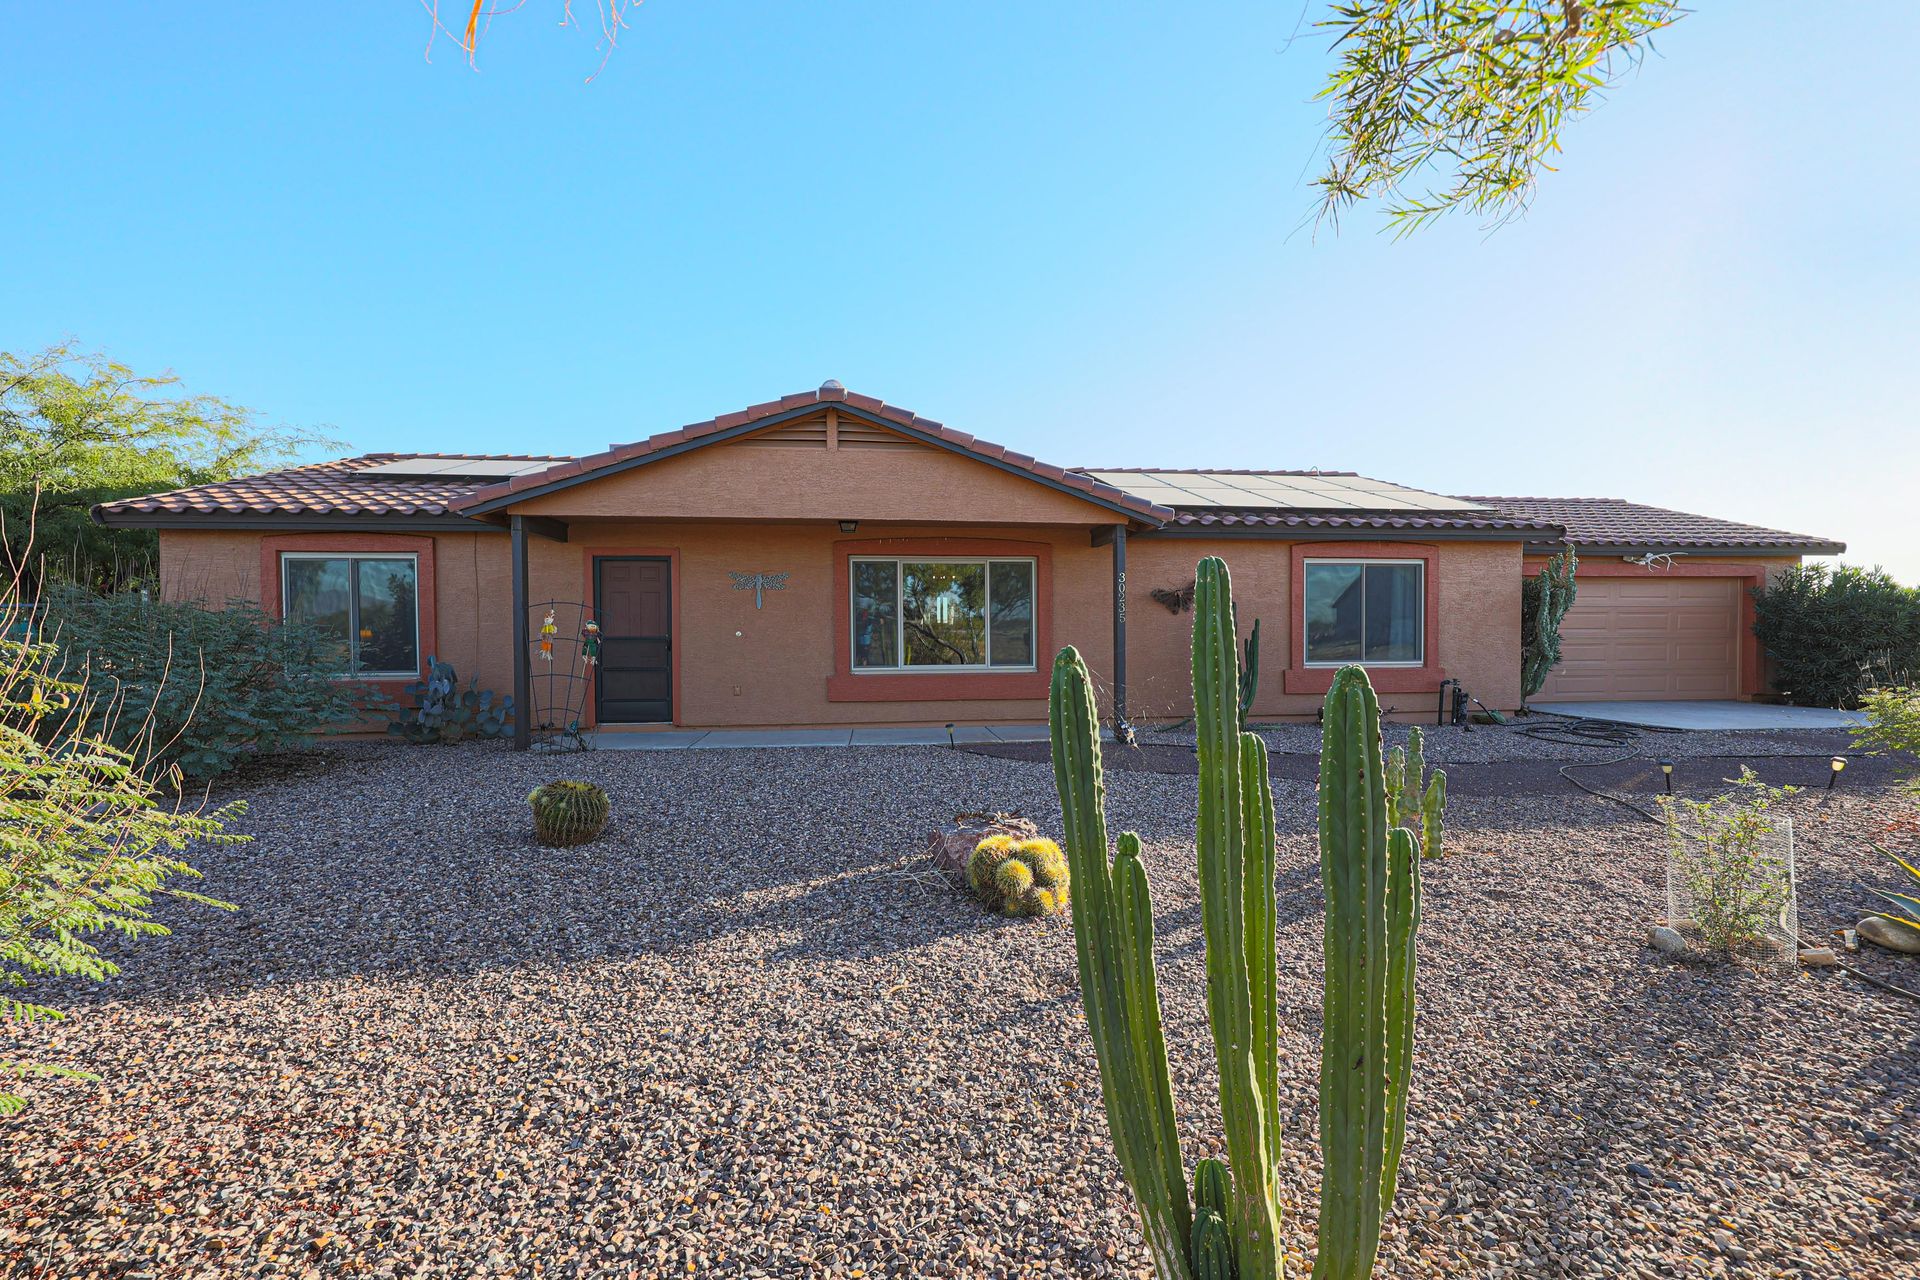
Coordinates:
1230	1222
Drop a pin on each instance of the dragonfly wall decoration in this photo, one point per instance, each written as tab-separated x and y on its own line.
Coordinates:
759	584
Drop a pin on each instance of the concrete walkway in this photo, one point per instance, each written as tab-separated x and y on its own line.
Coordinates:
725	739
1706	715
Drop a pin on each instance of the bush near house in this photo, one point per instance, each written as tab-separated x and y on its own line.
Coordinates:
1893	723
178	684
1834	633
89	837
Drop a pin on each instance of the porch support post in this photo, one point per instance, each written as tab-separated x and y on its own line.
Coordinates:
1119	624
522	674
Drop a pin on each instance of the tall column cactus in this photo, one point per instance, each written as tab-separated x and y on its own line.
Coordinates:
1371	873
1230	1224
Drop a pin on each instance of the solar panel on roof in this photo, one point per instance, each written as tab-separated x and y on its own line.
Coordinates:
1267	490
456	469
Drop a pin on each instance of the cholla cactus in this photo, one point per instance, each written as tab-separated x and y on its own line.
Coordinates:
568	813
1019	877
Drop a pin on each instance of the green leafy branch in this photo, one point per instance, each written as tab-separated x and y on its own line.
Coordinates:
1468	96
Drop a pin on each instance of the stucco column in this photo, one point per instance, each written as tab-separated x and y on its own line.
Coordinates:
1119	624
522	674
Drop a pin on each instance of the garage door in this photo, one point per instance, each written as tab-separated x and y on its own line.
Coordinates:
1637	638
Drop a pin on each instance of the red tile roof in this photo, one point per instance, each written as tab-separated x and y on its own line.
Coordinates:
344	487
339	487
578	470
1614	522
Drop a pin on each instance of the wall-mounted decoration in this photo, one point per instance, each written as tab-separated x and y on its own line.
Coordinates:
1176	599
759	584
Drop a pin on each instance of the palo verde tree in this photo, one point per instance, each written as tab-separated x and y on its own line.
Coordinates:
77	428
1438	105
90	835
1433	105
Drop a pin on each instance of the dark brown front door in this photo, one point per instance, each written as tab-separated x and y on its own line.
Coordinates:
633	599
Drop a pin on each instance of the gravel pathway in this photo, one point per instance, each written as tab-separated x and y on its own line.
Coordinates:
749	1034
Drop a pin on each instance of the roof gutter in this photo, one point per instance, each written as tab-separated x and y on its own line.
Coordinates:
1626	550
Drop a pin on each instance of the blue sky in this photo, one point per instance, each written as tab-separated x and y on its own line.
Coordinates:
1076	229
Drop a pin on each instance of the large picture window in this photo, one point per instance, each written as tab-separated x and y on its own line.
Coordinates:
915	614
1366	611
370	602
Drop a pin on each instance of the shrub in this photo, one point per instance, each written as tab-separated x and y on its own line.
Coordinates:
180	684
444	712
89	835
568	813
1893	723
1019	877
1834	633
1728	867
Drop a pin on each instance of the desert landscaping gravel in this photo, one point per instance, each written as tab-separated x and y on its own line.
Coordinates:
750	1033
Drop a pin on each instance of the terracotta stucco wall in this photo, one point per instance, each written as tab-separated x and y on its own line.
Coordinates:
1477	630
472	588
741	666
913	484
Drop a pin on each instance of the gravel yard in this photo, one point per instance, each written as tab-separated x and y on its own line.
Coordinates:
748	1033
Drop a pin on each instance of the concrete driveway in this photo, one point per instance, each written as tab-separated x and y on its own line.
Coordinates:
1706	715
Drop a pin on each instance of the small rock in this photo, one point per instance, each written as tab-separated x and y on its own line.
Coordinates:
1819	957
1894	935
1667	941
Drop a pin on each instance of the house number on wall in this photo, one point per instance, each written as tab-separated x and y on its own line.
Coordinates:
759	584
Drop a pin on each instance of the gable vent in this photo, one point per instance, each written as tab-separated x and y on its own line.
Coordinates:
807	433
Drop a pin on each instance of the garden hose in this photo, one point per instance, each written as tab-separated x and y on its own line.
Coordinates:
1584	732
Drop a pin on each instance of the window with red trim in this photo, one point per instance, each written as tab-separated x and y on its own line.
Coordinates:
1368	611
371	601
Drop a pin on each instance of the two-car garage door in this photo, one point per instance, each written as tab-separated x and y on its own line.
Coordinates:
1649	638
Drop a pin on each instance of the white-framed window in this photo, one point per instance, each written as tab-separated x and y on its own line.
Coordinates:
1372	612
372	602
946	614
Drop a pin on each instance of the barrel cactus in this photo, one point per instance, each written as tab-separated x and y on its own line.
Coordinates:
568	813
1228	1224
1019	877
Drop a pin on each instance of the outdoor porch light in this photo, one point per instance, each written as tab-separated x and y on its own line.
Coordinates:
1838	763
848	526
1666	767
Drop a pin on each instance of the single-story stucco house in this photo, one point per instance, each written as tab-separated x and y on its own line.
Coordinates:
829	559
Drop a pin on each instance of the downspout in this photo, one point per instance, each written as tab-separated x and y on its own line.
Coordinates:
522	674
1120	631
